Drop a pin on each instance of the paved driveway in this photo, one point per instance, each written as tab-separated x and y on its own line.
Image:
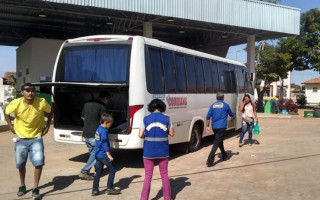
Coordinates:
282	164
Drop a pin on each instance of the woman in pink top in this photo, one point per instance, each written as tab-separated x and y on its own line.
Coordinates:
249	115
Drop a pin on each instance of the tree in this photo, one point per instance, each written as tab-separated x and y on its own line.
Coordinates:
295	86
12	88
299	52
305	48
271	66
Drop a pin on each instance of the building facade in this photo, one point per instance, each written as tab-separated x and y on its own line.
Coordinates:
312	91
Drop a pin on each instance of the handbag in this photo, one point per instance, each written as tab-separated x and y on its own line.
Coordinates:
256	130
247	119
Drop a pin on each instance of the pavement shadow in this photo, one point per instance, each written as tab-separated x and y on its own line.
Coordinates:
125	182
133	158
246	142
177	185
59	183
229	156
207	141
122	158
80	158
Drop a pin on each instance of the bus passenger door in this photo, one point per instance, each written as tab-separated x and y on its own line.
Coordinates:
241	92
232	89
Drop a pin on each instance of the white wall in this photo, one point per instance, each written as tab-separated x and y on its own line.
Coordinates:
5	92
312	97
275	91
38	57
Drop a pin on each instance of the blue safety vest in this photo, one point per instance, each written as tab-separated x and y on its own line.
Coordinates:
156	144
219	112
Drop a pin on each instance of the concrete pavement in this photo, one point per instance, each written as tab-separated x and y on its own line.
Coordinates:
282	164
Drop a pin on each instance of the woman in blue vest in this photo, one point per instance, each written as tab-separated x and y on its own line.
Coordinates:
155	130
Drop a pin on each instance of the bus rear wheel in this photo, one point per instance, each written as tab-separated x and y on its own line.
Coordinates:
195	139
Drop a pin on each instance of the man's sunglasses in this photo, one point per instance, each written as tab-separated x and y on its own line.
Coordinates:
29	89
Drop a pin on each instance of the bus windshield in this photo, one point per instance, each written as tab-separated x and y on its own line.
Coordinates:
99	63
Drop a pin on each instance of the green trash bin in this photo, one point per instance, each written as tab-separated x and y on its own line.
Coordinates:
267	107
308	114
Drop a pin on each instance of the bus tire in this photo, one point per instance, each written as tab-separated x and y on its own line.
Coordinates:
195	139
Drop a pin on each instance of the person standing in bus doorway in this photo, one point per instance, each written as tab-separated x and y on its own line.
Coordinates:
249	113
91	114
155	130
218	112
103	156
29	128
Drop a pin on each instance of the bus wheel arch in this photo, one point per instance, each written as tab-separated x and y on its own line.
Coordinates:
194	143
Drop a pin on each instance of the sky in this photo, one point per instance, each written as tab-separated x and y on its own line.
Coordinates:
8	54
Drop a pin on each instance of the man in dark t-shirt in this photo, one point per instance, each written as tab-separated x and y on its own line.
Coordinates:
91	114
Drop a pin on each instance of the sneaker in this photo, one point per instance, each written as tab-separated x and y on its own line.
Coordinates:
35	194
209	164
112	191
240	145
250	144
21	191
95	193
87	177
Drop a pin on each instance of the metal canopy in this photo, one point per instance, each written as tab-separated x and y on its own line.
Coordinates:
22	19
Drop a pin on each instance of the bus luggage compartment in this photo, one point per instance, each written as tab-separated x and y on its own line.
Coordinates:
69	102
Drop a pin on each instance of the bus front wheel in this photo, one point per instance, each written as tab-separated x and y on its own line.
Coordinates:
195	139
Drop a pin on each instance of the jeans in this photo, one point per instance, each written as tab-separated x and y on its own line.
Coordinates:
163	168
34	147
91	143
99	168
217	142
246	127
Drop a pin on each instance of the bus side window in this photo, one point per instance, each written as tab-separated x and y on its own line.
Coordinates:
207	76
156	71
169	72
248	84
233	83
199	75
227	78
191	78
240	79
215	76
181	73
221	72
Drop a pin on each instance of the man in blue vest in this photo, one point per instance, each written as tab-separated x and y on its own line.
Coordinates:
218	112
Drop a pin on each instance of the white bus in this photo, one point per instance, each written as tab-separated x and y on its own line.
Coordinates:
135	70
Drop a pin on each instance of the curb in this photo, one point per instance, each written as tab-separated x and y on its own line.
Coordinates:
279	116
